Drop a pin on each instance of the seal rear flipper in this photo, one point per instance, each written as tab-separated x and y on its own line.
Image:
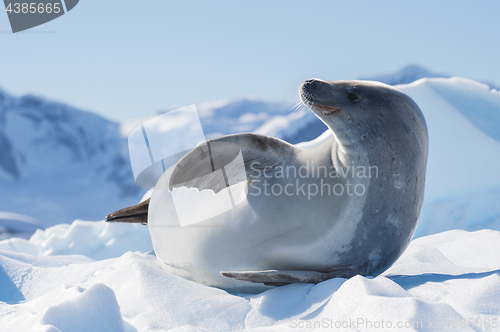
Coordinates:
281	277
132	214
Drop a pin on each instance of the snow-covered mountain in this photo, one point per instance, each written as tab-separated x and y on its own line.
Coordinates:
412	73
58	163
293	123
405	75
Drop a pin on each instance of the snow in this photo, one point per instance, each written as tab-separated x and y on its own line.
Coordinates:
458	148
411	73
97	276
98	302
405	75
441	278
97	240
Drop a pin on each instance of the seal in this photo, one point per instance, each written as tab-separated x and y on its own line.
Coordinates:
348	205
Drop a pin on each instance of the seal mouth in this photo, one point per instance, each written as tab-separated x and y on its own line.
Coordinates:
316	105
326	109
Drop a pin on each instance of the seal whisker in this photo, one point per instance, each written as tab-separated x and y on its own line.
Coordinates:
297	107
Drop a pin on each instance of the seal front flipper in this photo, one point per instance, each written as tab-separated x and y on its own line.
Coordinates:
281	277
132	214
219	163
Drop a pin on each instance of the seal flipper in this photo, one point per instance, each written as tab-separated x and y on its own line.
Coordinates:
259	155
132	214
281	277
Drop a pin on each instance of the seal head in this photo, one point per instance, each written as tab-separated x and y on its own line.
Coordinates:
362	107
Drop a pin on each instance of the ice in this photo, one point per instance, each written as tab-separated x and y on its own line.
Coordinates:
440	279
97	240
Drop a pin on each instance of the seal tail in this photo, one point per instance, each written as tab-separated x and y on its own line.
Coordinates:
132	214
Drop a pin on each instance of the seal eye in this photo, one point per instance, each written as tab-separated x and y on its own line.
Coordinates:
352	96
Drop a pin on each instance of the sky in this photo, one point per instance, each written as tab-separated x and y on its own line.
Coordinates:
127	59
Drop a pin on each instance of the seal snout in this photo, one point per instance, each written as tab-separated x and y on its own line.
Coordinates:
317	95
311	86
310	89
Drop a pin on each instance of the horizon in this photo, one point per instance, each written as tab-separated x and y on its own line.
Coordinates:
223	102
126	62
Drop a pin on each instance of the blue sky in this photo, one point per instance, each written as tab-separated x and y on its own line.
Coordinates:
127	59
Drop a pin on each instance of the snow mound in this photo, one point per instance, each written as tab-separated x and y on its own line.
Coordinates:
441	281
97	240
98	302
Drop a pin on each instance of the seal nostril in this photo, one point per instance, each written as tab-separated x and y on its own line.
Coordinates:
311	85
313	82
